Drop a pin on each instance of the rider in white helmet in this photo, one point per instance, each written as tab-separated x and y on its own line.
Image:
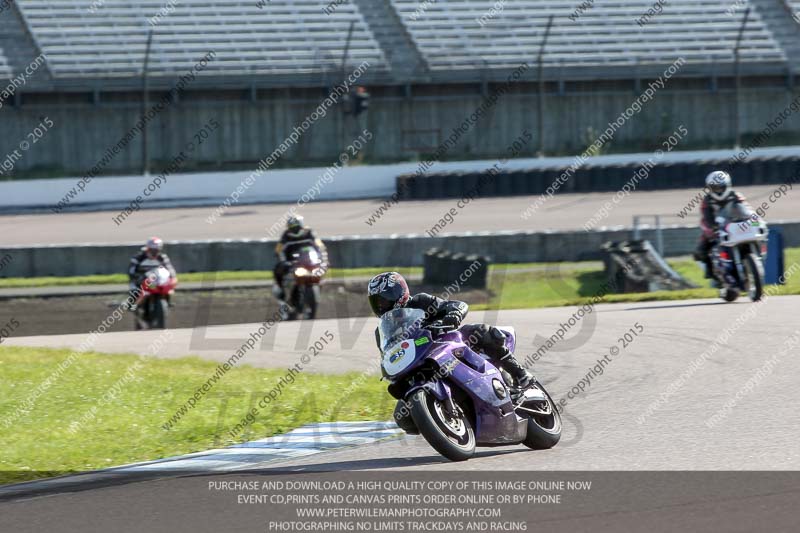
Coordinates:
719	194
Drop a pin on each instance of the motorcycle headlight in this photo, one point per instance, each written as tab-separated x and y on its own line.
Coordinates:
301	272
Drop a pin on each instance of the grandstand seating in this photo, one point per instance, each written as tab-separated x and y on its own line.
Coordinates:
407	40
450	37
6	71
92	37
16	49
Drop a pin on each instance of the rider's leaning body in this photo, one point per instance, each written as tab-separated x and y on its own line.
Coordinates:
389	291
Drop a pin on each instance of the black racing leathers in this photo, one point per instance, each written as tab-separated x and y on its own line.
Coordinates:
482	338
291	242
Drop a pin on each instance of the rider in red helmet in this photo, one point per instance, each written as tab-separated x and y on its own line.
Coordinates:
150	256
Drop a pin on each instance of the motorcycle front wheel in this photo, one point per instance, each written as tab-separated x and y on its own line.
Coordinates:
311	301
160	311
754	271
451	436
544	422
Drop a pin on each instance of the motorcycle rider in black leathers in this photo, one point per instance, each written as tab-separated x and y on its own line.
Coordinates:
296	235
719	195
150	256
389	290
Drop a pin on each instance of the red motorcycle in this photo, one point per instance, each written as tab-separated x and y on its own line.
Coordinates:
302	284
152	305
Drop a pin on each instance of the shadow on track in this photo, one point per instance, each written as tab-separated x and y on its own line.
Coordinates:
674	306
368	464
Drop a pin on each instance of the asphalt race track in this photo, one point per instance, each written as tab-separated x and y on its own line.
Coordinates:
562	212
612	425
601	428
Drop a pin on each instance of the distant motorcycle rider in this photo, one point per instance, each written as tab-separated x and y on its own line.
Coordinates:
150	256
296	235
719	195
389	290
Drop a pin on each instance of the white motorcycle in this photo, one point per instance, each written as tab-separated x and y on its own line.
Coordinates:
737	256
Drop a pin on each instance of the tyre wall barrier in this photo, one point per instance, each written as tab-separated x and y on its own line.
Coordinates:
443	267
597	178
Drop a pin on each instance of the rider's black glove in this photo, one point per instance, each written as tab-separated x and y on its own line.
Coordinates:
452	319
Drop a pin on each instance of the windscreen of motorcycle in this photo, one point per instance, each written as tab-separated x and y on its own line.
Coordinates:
734	212
399	325
308	255
158	277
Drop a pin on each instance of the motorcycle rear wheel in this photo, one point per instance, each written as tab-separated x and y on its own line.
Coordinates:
453	438
729	294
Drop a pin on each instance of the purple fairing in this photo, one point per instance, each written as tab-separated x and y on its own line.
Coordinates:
495	419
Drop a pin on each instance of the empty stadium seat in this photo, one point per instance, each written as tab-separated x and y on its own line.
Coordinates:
290	38
108	37
450	36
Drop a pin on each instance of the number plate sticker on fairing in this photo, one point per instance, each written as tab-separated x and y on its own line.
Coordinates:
399	357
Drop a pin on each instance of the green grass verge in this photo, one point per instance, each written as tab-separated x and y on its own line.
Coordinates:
129	427
540	285
247	275
562	284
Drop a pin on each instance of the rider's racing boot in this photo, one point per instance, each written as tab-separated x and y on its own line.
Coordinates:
708	268
522	377
278	292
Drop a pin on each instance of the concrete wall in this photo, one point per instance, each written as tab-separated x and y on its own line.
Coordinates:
201	189
346	252
252	129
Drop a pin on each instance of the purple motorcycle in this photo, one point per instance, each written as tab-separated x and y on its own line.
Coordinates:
456	398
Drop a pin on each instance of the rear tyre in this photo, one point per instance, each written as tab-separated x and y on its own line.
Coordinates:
729	295
451	437
754	270
544	430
